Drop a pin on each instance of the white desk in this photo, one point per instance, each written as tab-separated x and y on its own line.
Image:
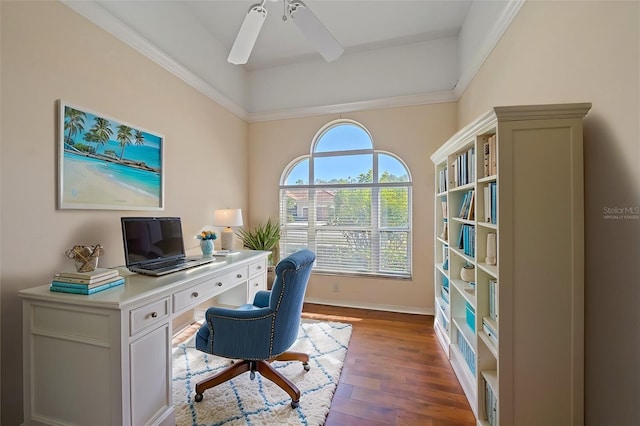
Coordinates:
105	358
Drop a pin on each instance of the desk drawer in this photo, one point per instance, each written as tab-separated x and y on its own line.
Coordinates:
258	267
256	284
232	278
147	315
194	295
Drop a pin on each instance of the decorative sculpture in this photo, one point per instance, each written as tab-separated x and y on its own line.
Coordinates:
85	257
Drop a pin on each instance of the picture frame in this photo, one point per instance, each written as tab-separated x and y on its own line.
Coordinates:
105	163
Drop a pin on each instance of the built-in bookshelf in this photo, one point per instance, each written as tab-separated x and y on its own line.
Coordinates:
509	263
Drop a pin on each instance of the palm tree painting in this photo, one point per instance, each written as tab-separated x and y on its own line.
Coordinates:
124	137
73	123
105	163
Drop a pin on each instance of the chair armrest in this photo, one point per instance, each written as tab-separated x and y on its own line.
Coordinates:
261	299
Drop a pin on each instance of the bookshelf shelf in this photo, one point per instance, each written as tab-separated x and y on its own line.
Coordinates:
461	287
489	343
488	225
489	269
501	181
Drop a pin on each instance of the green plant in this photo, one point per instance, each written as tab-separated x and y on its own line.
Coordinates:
262	237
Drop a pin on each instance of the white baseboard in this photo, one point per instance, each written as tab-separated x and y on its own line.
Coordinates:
373	306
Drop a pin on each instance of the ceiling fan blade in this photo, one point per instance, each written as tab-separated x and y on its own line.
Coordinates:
248	34
315	31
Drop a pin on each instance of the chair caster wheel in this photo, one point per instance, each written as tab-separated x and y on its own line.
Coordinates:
252	375
198	397
306	366
295	404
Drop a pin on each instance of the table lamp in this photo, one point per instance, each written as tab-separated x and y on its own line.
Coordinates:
227	218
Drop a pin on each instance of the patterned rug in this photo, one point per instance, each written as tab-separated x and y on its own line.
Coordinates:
242	401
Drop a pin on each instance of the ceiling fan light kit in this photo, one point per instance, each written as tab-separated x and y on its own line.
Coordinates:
306	21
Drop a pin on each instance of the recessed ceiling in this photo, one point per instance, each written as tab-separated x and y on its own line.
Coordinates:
398	50
356	24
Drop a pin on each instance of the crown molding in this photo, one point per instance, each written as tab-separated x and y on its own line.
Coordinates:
103	19
392	102
485	49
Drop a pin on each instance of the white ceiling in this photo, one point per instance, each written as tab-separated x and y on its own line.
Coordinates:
193	38
356	24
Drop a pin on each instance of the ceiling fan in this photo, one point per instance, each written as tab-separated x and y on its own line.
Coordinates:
300	14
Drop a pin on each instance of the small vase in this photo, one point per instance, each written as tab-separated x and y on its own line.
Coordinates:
467	273
207	247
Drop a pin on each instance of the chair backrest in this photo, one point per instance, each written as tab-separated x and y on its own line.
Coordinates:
287	297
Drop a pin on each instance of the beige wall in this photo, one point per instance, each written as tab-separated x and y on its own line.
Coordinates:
575	52
412	133
49	52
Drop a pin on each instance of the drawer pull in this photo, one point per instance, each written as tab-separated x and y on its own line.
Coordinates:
239	276
194	294
259	267
256	284
154	315
219	283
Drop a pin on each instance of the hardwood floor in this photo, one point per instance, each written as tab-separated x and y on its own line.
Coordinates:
395	372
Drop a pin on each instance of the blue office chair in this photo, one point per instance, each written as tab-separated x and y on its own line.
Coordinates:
261	332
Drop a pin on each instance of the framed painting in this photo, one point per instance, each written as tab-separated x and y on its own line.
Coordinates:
107	164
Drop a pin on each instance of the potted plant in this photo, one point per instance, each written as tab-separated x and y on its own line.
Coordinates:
263	237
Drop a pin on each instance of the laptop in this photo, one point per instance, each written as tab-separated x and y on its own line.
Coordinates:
155	246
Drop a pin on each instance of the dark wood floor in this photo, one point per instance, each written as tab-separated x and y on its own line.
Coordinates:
395	372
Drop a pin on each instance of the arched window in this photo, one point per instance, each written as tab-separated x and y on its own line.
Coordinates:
349	203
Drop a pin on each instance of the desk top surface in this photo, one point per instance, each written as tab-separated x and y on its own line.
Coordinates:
139	287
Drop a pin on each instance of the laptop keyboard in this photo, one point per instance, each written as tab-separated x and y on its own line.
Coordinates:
165	266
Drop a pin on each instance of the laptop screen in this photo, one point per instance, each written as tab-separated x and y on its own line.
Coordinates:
151	239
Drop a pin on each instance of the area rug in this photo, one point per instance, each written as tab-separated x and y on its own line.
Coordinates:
242	401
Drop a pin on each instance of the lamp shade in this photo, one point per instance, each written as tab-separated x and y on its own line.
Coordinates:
227	217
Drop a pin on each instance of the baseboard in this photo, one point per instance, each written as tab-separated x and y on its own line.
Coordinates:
373	306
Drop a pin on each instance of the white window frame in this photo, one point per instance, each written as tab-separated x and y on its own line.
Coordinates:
287	244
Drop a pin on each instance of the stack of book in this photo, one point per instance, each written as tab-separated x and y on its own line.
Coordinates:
86	282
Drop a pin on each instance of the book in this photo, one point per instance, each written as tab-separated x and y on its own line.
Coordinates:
63	283
485	159
492	155
445	230
494	203
454	175
490	327
75	290
463	205
92	276
101	279
493	299
470	212
487	204
445	257
471	165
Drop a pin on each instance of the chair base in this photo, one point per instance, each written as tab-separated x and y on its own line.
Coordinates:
264	368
